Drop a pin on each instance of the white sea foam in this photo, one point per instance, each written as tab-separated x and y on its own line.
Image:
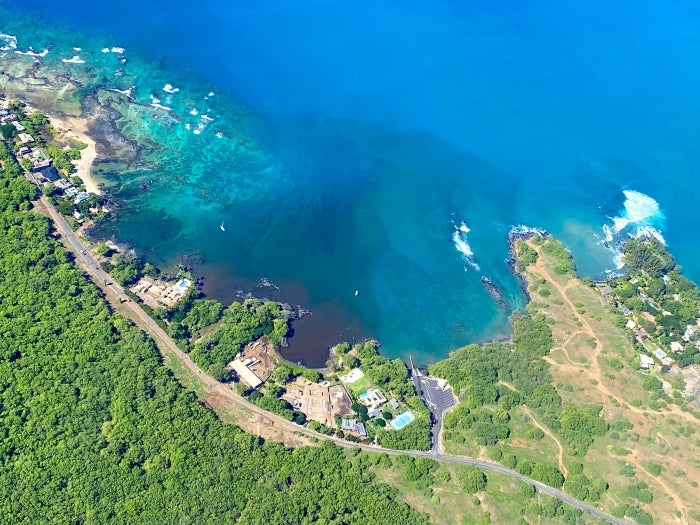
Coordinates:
105	50
219	135
77	49
194	111
207	118
168	88
155	102
197	131
649	231
607	230
188	126
459	239
8	42
33	53
211	94
117	50
127	92
641	216
75	60
638	208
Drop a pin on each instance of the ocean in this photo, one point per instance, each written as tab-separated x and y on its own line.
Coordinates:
369	158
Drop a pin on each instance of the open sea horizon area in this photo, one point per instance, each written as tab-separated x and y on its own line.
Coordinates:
369	159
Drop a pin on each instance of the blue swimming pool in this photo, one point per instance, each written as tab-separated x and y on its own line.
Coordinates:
402	420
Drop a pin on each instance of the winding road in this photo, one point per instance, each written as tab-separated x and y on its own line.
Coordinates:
166	344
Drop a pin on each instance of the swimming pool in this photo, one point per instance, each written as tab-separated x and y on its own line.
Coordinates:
402	420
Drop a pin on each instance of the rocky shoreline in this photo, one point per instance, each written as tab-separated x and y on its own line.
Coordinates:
514	234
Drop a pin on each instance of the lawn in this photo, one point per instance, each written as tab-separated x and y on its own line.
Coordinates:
359	386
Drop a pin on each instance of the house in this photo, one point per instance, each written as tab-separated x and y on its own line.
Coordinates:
662	356
62	184
348	424
353	426
393	403
690	331
607	292
245	373
77	214
39	165
70	192
645	361
48	173
19	127
24	150
81	197
25	138
625	310
374	414
373	398
676	346
631	324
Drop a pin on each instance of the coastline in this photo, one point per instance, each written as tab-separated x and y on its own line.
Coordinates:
78	128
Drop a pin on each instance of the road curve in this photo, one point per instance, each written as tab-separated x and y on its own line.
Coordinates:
165	343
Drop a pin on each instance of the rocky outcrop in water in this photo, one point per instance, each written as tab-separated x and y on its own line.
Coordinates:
494	292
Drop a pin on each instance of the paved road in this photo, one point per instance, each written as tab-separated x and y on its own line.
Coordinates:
165	343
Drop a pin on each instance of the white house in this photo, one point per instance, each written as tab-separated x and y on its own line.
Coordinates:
645	361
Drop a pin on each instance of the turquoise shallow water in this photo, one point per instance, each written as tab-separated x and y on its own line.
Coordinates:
357	138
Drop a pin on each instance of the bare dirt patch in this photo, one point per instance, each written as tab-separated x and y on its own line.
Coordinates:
253	423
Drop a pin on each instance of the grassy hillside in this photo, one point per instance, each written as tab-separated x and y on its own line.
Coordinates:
567	394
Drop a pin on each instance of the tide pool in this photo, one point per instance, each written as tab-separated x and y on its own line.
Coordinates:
384	147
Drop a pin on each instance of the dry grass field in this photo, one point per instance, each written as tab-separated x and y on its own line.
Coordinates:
593	361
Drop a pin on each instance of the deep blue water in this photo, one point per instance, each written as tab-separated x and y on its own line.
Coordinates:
381	126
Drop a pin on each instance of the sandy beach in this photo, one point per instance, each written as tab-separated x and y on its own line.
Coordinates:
77	128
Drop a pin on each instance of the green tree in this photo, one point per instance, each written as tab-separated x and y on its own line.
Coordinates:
472	480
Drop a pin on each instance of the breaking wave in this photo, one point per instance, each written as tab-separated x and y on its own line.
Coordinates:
459	238
641	216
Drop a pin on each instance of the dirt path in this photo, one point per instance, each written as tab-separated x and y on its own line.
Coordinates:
560	457
632	458
595	370
596	373
544	429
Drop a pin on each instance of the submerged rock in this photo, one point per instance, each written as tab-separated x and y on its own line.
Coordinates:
494	291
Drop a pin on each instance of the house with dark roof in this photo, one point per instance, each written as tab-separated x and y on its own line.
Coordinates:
48	173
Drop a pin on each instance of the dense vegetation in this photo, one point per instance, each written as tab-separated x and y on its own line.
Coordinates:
565	263
491	380
662	300
94	429
15	191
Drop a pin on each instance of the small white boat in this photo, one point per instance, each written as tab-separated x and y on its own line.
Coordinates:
222	226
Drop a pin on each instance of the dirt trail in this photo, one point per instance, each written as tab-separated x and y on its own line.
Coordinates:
560	458
632	458
595	370
544	429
